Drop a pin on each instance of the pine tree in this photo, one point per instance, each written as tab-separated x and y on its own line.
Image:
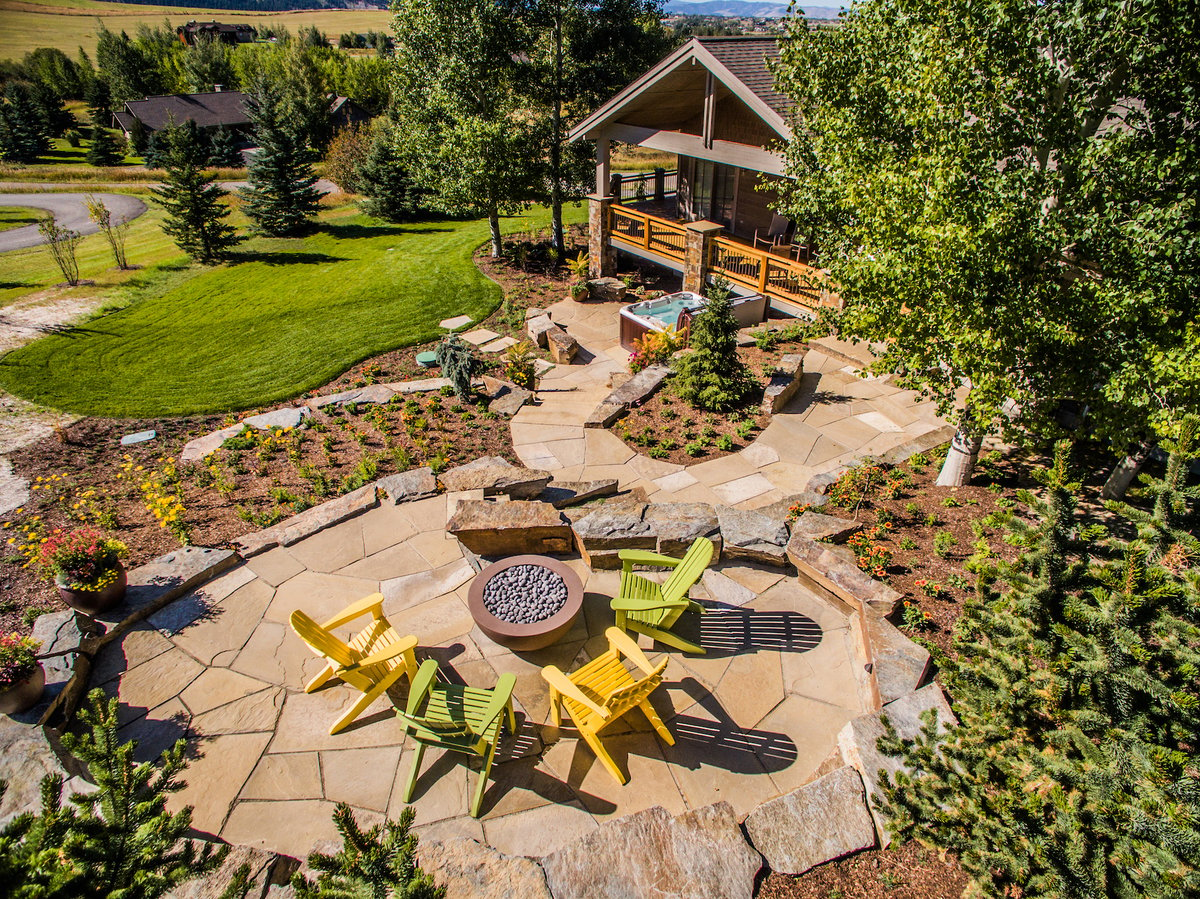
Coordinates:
380	863
222	149
104	150
23	136
195	213
384	181
711	375
1072	771
99	100
281	199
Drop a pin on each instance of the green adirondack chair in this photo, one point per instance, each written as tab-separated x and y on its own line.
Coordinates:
652	609
461	719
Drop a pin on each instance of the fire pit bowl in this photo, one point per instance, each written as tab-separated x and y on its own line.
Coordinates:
542	596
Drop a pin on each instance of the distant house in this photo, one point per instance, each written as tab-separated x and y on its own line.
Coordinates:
226	34
344	112
207	110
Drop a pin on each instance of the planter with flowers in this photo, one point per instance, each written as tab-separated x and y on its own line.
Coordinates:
22	677
86	567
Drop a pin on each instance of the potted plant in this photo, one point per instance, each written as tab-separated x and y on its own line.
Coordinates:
22	677
86	567
579	275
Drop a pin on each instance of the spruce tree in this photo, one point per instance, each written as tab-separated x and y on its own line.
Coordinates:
195	214
457	363
104	150
384	180
23	136
380	863
1072	771
281	199
711	375
223	151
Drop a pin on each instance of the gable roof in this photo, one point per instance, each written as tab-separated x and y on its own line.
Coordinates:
206	110
739	63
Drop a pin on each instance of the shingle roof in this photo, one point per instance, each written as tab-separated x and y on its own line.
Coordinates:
206	110
746	58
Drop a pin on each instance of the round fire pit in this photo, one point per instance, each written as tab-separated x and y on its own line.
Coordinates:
526	602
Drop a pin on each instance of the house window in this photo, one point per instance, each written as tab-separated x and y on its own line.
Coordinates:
713	193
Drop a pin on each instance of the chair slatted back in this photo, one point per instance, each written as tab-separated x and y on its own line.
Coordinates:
688	571
322	642
622	700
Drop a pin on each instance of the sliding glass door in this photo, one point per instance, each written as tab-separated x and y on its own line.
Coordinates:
713	192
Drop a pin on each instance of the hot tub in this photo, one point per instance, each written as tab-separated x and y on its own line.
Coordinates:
675	310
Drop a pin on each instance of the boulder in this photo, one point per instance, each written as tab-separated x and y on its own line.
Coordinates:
753	536
818	822
309	522
61	632
374	394
535	312
539	329
562	346
784	383
469	869
421	385
627	395
208	444
495	475
833	568
562	494
781	508
828	528
858	742
266	869
601	534
510	529
677	525
700	853
901	665
407	486
279	418
607	290
604	415
510	401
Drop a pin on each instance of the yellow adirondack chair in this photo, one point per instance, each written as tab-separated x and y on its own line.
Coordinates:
652	609
603	690
371	662
461	719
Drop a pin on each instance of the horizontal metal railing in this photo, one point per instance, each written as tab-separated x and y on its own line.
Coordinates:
639	186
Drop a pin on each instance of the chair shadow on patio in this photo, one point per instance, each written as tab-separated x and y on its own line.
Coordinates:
729	631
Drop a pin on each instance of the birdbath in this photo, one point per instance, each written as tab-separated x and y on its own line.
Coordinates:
526	602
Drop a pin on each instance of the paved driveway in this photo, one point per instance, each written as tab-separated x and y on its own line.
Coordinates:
68	210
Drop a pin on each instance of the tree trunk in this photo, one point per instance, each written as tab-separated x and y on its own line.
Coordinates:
494	226
1125	471
556	201
960	461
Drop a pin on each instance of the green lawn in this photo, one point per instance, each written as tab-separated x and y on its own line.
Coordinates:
288	317
19	217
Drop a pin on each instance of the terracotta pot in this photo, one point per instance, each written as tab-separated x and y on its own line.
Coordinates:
93	602
24	695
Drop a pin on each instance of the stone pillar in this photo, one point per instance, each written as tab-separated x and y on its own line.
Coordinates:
660	184
696	254
602	258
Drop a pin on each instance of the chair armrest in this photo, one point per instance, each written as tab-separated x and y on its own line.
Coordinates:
401	646
563	685
632	604
362	607
646	557
501	696
624	644
421	685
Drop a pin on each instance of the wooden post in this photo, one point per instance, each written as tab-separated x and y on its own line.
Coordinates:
763	274
660	181
615	188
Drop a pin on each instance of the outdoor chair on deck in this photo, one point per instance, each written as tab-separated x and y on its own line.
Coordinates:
371	662
778	235
652	609
461	719
603	691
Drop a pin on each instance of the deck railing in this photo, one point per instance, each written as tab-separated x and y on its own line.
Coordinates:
649	232
770	274
639	186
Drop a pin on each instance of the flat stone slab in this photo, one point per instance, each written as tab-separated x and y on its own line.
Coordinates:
495	475
834	569
479	336
677	525
14	490
139	437
469	869
499	345
209	443
169	577
25	758
562	494
858	742
509	399
814	824
513	528
827	528
752	535
628	395
60	632
457	322
278	418
601	534
726	590
420	385
901	664
407	486
604	415
309	522
374	394
700	853
780	509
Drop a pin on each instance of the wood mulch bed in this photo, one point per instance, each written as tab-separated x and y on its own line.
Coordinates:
905	871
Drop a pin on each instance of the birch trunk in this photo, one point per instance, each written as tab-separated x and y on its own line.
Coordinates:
960	461
494	225
1125	471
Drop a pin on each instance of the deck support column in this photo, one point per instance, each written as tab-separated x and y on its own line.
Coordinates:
697	253
602	258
